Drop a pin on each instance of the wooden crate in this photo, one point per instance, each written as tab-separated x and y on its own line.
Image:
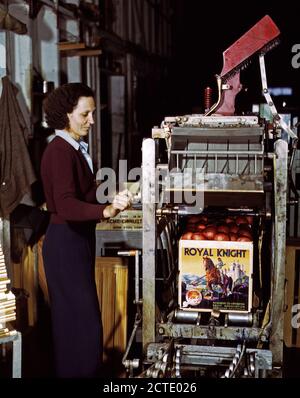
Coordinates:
112	284
41	272
292	294
24	280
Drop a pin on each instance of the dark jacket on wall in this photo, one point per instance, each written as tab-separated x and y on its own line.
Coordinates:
16	171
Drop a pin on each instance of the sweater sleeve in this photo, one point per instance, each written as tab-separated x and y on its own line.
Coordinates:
68	206
91	195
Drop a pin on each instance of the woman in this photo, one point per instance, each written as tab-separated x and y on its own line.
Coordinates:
69	245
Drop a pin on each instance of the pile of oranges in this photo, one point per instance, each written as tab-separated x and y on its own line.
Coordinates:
232	229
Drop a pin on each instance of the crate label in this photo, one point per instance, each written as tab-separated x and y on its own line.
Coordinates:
128	220
215	276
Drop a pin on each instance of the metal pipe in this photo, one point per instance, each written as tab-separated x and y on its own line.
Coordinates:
239	319
136	254
181	316
214	152
215	106
135	362
137	277
276	116
149	240
280	164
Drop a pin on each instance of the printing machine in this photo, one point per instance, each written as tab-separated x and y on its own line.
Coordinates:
234	165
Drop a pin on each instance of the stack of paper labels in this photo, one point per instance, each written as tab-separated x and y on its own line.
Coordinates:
7	300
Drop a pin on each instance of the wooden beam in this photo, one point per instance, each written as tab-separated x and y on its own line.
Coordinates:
69	46
82	53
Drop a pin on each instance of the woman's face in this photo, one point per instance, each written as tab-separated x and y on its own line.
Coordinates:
81	119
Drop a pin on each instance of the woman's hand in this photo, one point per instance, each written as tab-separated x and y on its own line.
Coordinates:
121	202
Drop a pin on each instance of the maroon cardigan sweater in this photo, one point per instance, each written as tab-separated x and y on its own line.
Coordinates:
69	184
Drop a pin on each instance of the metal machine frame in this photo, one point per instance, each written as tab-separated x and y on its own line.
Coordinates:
255	346
272	331
239	164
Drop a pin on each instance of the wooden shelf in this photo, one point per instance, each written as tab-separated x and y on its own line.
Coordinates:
70	46
72	49
82	53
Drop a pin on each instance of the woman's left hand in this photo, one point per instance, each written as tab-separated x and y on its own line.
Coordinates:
121	202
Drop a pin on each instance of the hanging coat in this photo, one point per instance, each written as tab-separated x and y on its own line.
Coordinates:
16	170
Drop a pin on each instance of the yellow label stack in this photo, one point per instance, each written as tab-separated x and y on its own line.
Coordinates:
7	300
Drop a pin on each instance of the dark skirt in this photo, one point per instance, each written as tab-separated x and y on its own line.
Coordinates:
69	261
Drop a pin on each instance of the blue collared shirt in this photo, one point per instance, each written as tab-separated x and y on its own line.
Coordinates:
83	146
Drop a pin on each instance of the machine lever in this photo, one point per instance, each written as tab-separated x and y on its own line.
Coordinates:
260	38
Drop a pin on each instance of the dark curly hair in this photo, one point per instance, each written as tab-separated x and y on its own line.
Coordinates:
62	101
